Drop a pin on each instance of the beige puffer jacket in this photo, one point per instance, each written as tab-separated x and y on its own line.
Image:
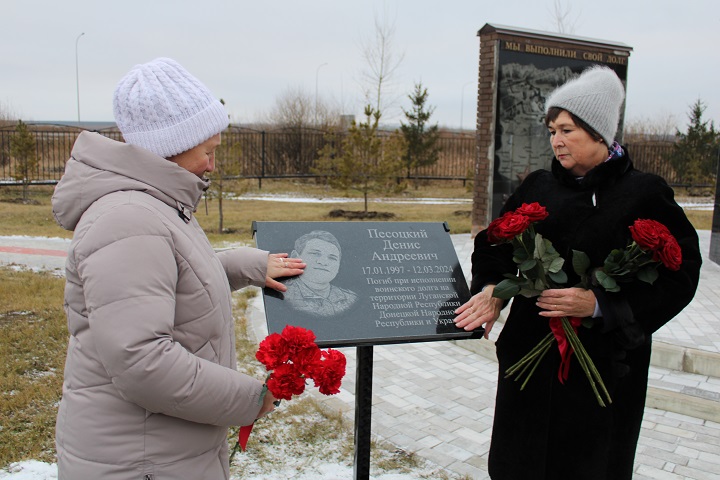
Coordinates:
150	381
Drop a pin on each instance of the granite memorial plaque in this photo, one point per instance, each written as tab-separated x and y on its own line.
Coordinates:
367	283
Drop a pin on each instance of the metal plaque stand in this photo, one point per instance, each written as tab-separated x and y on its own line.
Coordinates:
363	412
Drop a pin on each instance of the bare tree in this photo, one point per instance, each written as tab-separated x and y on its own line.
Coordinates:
659	128
7	115
382	63
562	17
297	108
293	109
227	167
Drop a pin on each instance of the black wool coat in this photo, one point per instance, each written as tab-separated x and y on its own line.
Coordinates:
554	431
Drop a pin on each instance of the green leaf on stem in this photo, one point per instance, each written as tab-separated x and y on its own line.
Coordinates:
606	281
528	264
529	292
556	265
506	289
580	262
558	277
648	273
540	246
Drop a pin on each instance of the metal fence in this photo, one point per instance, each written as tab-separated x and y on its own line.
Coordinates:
651	157
259	154
292	153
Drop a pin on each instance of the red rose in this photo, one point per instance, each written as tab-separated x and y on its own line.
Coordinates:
328	372
285	381
534	211
670	254
507	227
298	338
273	351
648	234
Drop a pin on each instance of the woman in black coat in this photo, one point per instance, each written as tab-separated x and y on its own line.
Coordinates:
553	430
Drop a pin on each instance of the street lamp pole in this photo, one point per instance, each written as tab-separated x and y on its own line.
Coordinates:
77	76
317	71
462	101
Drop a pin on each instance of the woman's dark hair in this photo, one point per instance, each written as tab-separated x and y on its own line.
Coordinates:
554	112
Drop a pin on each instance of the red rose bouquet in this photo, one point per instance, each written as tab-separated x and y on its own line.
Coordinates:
652	245
292	358
540	268
539	264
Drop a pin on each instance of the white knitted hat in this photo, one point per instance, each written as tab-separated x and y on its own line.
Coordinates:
595	97
161	107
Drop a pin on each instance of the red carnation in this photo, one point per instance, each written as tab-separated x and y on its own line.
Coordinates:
298	338
507	227
285	381
534	211
649	234
329	372
305	359
273	351
292	357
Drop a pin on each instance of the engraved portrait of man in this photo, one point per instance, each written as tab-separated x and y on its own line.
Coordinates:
312	293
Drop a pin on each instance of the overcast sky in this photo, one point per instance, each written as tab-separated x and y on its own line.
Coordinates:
251	52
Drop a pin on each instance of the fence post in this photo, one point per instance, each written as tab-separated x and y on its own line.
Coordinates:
262	159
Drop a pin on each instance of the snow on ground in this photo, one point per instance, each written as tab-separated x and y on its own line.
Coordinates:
29	470
273	197
34	470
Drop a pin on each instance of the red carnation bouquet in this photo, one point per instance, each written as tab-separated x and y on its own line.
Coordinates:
292	358
540	268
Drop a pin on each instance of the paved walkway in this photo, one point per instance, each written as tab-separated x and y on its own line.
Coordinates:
437	399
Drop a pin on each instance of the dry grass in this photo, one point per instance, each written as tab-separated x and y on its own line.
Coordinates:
34	218
238	215
701	219
33	341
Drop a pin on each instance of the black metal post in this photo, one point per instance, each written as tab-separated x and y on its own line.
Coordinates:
262	160
363	412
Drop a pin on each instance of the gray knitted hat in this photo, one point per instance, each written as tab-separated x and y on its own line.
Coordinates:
161	107
595	97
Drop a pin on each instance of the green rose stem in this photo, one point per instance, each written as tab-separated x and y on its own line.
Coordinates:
532	358
586	362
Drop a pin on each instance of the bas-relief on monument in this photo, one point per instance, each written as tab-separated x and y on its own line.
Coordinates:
521	144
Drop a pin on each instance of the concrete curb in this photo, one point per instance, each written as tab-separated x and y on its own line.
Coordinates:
685	359
683	403
664	355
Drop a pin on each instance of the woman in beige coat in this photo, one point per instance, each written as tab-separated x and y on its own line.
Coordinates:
150	379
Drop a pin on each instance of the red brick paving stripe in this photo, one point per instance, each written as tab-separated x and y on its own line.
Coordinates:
34	251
